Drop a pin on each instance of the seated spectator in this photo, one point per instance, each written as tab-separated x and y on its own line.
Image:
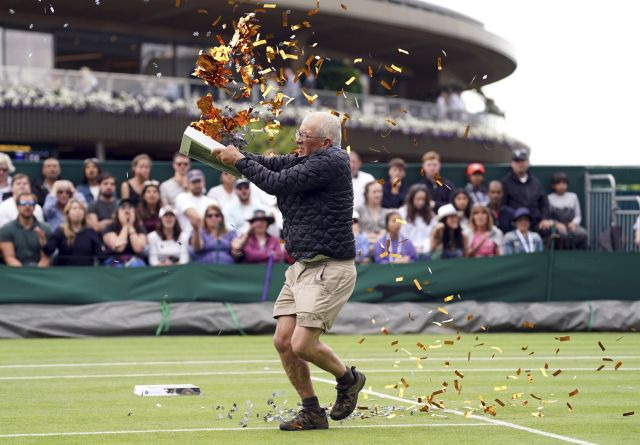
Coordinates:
523	189
62	192
462	202
372	214
77	244
168	245
360	179
420	220
178	183
131	189
362	242
394	189
238	213
637	228
502	214
212	242
564	210
522	240
224	193
475	187
6	170
8	208
257	245
390	248
23	239
484	238
440	189
125	239
50	174
149	206
90	187
190	206
447	240
101	210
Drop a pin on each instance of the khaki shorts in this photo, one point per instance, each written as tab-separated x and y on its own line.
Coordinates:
315	292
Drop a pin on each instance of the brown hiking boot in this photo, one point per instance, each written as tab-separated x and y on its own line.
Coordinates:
347	397
306	420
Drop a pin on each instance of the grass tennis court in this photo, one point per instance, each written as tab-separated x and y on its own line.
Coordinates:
68	390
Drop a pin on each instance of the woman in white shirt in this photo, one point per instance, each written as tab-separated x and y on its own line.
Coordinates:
419	218
168	245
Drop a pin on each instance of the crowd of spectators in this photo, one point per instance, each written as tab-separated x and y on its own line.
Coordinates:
179	220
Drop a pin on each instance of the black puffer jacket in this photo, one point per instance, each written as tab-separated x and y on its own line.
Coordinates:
315	195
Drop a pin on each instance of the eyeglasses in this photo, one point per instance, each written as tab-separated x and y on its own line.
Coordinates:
152	182
4	169
213	215
243	186
27	203
302	135
64	192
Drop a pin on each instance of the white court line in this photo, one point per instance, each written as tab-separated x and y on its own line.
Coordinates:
237	373
351	359
249	428
472	416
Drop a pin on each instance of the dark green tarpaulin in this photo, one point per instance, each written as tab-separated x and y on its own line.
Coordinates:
546	276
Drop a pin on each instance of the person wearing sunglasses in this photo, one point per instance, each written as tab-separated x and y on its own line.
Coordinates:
6	170
62	192
9	209
314	191
178	183
23	239
211	243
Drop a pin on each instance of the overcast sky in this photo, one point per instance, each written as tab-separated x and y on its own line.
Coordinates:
574	95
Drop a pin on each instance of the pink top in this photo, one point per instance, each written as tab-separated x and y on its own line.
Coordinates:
488	247
255	253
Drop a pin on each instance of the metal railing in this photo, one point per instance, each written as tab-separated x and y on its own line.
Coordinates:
85	81
626	215
600	204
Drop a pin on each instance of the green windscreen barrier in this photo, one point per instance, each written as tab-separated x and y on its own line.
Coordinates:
571	276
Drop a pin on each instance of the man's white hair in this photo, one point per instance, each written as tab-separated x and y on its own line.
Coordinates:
326	125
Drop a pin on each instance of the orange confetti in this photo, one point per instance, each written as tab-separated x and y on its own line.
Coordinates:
395	342
500	402
361	341
527	324
557	373
343	6
380	181
569	406
573	393
439	63
469	317
563	338
384	330
466	131
404	382
444	311
600	368
630	413
618	365
601	346
449	298
459	374
417	283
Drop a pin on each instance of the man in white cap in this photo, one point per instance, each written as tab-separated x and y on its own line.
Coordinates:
190	206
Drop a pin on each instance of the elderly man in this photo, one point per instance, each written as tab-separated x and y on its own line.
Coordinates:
315	194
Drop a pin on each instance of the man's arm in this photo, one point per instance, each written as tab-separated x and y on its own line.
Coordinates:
314	173
9	254
273	163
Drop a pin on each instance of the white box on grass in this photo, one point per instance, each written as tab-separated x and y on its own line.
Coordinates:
181	389
198	146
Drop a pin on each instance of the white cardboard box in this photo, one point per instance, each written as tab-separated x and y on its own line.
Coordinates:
180	389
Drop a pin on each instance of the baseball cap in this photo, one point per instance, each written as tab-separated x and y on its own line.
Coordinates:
166	209
520	154
475	167
520	212
559	177
242	181
195	174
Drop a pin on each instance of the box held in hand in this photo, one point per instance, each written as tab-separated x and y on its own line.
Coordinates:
198	146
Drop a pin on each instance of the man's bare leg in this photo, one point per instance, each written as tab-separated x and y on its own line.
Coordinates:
306	344
297	369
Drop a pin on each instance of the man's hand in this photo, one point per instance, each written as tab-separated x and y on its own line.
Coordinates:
229	154
42	237
545	224
572	226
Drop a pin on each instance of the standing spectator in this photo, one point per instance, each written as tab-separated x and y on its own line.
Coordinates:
50	174
90	187
257	245
372	214
522	240
637	228
23	238
8	208
462	202
475	187
362	242
212	242
62	192
190	206
502	214
131	189
394	190
484	238
522	189
224	193
389	248
125	238
178	183
440	189
102	209
420	220
148	207
448	240
564	210
168	245
360	179
77	244
6	170
239	212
